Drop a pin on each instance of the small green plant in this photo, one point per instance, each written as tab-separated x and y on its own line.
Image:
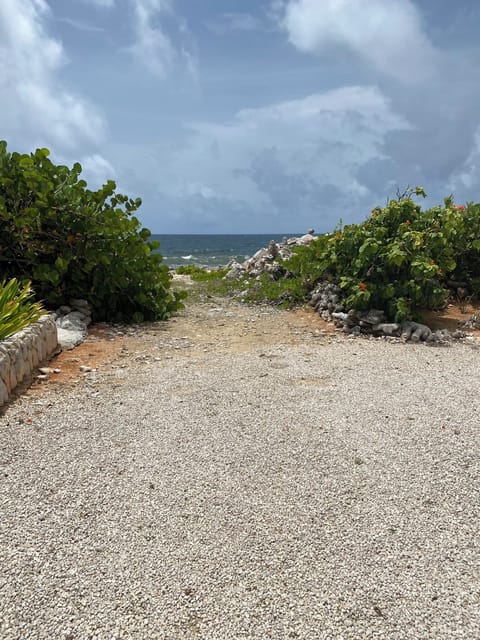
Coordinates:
17	307
201	275
286	292
209	284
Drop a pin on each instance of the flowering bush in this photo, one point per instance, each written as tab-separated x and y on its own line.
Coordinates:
399	259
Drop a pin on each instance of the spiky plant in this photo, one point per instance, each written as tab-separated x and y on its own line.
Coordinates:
17	307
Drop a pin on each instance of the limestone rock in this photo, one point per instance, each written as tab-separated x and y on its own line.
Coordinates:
236	271
74	321
372	317
472	323
265	260
273	249
72	326
81	305
306	239
389	329
63	310
415	331
68	338
22	352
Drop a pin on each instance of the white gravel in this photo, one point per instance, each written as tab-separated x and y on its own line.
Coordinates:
323	489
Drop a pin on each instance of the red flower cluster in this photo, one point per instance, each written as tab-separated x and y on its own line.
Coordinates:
460	207
362	286
407	222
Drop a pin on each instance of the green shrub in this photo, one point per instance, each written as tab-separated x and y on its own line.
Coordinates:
398	260
201	275
75	243
187	270
17	307
467	254
286	293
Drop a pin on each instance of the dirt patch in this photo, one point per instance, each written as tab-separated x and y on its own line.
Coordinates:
221	325
309	318
101	349
452	317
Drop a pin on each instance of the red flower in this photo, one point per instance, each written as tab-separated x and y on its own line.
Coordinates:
460	207
362	286
407	222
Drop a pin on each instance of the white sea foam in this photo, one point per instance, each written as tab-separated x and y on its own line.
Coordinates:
186	257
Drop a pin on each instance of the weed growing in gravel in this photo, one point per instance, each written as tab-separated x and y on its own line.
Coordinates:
201	275
286	293
210	284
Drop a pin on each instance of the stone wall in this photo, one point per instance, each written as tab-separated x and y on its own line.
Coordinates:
23	352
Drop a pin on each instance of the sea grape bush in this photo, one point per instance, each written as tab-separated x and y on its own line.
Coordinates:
72	242
399	259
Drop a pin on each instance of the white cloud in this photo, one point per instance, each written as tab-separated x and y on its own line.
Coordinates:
467	177
287	158
39	109
152	47
97	170
387	35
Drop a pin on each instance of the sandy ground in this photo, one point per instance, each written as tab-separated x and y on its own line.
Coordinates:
239	473
106	343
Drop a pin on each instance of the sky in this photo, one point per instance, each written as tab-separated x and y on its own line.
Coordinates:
249	116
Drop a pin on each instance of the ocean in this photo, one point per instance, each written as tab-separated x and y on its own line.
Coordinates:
212	250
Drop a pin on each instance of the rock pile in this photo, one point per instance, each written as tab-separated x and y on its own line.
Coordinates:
72	323
264	261
326	299
472	323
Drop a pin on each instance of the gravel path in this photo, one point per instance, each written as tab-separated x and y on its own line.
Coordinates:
224	480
